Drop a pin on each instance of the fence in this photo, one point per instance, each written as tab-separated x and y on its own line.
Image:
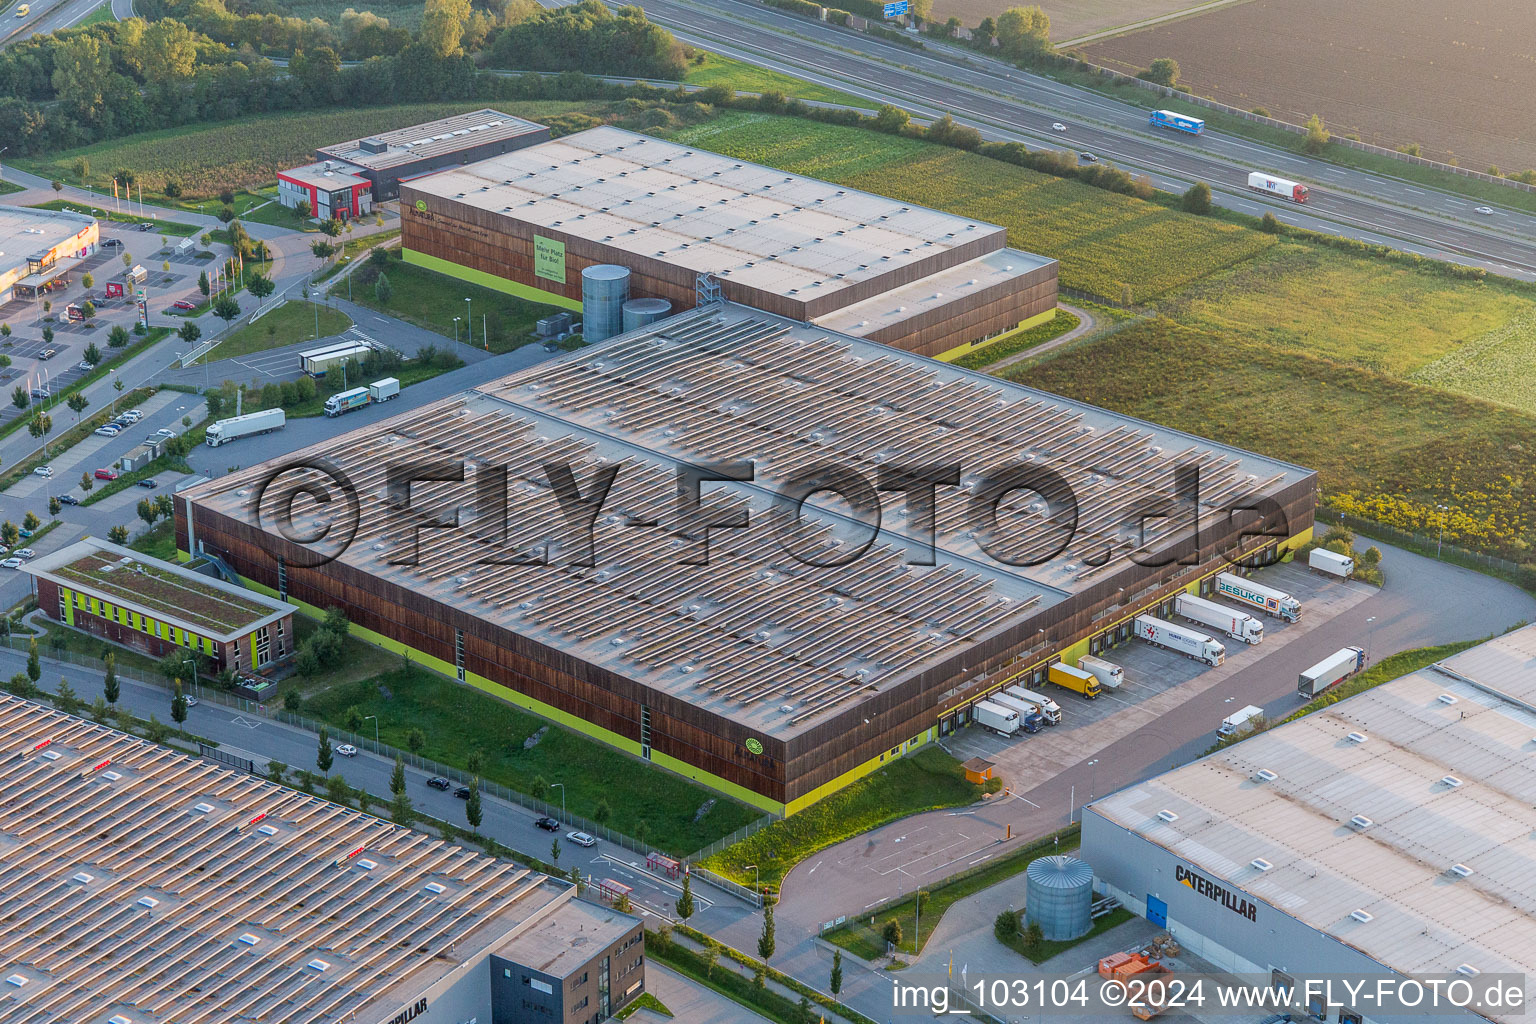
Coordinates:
1431	546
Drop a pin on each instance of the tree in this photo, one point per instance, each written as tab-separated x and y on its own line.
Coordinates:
354	716
66	700
147	511
1164	71
397	779
110	688
984	33
804	1010
711	959
31	522
292	701
330	227
1034	938
77	403
1317	135
86	483
82	169
401	811
337	790
891	934
324	757
226	309
1023	31
1198	199
117	337
765	941
259	286
1270	224
276	771
475	762
323	249
835	983
99	711
442	27
891	119
382	290
416	740
303	209
8	534
685	907
554	852
602	812
88	310
1006	926
55	506
189	332
58	186
165	505
118	534
155	730
19	397
472	810
34	666
225	214
48	335
179	706
623	904
202	283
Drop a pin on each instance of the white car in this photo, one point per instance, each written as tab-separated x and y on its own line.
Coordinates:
24	553
165	432
43	471
108	431
83	365
15	563
347	750
1486	211
581	839
133	415
1057	126
191	700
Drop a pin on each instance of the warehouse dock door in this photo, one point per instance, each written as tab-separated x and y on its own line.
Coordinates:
1157	911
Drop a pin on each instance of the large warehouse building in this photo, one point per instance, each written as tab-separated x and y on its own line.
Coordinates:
860	264
1390	832
765	676
143	886
38	247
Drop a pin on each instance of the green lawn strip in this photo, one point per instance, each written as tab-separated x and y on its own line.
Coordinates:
352	248
726	981
159	541
644	1001
1394	666
288	324
1049	948
360	660
163	464
1039	334
752	963
863	940
162	227
278	215
99	16
8	187
59	637
431	300
922	781
710	69
59	443
458	719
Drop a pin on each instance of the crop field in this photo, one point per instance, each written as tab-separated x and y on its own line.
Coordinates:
1106	243
1457	78
1497	366
1069	18
246	153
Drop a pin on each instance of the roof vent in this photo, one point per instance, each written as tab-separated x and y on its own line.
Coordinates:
1461	871
435	888
786	708
83	877
1264	775
1446	698
16	979
1360	915
1468	970
1356	737
248	939
111	776
367	865
52	755
1452	781
318	965
1360	821
118	1018
1168	816
267	830
1260	864
204	807
148	901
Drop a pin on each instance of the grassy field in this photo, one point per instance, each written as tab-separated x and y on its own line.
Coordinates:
170	228
159	541
8	187
1108	244
1023	341
1496	366
715	69
431	300
458	719
922	781
99	16
353	247
281	216
285	325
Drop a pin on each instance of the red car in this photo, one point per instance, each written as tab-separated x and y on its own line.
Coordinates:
106	474
182	304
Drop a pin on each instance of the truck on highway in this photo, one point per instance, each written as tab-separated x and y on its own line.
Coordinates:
236	427
317	361
995	717
1075	679
1049	708
1331	562
1330	672
1109	675
1280	187
1237	625
356	398
1189	642
1239	722
1255	595
1176	120
1030	717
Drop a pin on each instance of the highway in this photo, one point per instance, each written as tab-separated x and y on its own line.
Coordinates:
1006	103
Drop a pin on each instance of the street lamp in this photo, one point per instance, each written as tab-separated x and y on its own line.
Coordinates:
375	727
757	878
1439	543
1093	775
552	785
455	330
1370	632
469	322
195	686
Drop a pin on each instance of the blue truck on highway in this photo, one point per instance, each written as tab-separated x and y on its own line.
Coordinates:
1174	119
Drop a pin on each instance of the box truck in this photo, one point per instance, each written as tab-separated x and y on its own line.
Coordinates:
1331	562
1255	595
236	427
384	390
1237	625
1189	642
1279	187
1174	119
1240	721
346	401
995	717
1330	672
1049	708
317	361
1030	717
1109	675
1075	679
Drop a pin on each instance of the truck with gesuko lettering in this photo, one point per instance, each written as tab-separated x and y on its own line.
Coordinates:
1330	672
1255	595
1075	679
1189	642
995	717
1237	625
1030	717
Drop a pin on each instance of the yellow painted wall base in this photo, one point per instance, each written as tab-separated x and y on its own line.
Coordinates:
853	775
484	280
974	346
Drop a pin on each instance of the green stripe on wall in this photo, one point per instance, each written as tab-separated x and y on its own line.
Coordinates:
484	280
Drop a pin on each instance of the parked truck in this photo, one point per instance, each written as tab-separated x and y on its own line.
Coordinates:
995	717
1330	672
1176	120
1331	562
1239	722
356	398
1075	679
317	361
1280	187
1109	675
1189	642
1030	716
1049	708
236	427
1255	595
1237	625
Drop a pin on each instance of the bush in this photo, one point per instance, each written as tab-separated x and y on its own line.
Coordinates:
891	933
1198	199
1006	926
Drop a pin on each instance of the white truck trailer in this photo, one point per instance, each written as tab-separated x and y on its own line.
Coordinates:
1237	625
1257	596
995	717
1331	563
236	427
1330	672
1240	721
1031	718
1280	187
1189	642
1049	708
1109	675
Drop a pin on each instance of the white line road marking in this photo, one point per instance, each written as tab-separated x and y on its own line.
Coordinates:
813	868
978	860
868	905
1030	802
242	720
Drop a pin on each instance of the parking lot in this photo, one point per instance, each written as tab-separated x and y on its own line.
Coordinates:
1158	681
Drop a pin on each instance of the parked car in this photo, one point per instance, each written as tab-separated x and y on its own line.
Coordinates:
107	430
133	415
183	304
11	563
68	499
83	365
43	471
462	792
551	346
107	474
548	824
1057	126
191	700
347	750
581	839
49	353
438	782
112	243
148	483
24	532
41	393
24	553
165	432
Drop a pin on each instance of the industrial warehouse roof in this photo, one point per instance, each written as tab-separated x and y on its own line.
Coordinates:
143	885
425	141
26	232
756	635
202	604
329	178
1439	767
756	226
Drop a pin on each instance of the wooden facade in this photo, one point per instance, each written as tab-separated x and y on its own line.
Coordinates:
974	317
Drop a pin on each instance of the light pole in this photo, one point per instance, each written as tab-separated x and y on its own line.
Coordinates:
561	785
757	878
1443	509
195	685
469	322
917	900
375	727
1093	775
1370	632
455	330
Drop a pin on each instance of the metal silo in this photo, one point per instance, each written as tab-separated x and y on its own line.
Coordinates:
604	288
643	312
1058	896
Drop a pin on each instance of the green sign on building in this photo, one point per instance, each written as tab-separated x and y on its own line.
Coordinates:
549	259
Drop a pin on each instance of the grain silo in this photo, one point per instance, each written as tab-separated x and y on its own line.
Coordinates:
1058	896
604	290
644	312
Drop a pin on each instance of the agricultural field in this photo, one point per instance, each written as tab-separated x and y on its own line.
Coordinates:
1069	18
707	69
249	153
1498	366
1111	245
1456	78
